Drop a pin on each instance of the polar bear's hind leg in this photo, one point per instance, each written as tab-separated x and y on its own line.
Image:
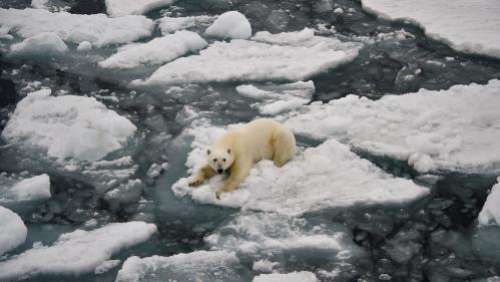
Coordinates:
284	146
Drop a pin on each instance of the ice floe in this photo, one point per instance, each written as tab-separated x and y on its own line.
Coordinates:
191	267
117	8
490	214
454	130
329	176
77	252
469	26
98	29
68	126
172	24
230	25
157	51
299	276
29	189
274	99
14	231
292	56
44	44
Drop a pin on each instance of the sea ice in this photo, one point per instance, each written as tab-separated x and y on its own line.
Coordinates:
44	44
490	214
77	252
300	276
98	29
170	24
230	25
274	99
157	51
117	8
329	176
290	56
13	230
469	26
29	189
68	126
452	130
191	267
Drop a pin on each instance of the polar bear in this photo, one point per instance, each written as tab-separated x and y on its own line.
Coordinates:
237	150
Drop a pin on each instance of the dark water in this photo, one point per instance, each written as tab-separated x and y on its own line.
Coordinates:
434	239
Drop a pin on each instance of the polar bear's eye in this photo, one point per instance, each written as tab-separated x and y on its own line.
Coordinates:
215	160
224	159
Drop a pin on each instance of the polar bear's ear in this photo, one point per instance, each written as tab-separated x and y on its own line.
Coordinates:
229	151
208	152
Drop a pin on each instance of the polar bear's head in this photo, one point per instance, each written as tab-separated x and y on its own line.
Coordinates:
220	159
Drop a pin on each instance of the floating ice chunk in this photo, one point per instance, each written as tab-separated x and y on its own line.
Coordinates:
287	59
98	29
43	44
301	276
490	214
13	230
264	265
329	176
77	252
67	126
39	4
30	189
190	267
231	25
157	51
275	99
117	8
170	25
467	26
455	129
84	46
107	266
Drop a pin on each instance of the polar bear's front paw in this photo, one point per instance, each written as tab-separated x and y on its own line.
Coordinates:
195	182
217	194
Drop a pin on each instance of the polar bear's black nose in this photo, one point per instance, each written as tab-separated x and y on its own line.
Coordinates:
220	170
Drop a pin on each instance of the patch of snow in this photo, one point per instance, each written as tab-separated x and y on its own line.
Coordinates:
190	267
118	8
292	56
14	231
490	214
169	25
453	130
469	26
98	29
274	99
301	276
230	25
77	252
157	51
30	189
67	126
46	44
325	177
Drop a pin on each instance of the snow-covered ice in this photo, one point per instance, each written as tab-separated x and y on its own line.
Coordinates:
292	56
117	8
204	266
98	29
456	129
13	232
44	44
172	24
490	214
329	176
230	25
299	276
157	51
39	4
469	26
77	252
270	236
274	99
29	189
90	130
107	266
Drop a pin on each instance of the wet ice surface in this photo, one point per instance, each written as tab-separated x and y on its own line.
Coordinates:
335	213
